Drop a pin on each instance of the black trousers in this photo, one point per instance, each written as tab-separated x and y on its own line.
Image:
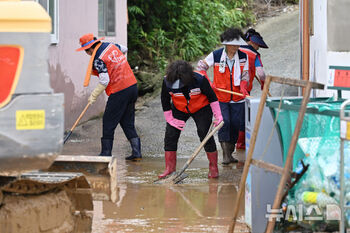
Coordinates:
120	108
202	118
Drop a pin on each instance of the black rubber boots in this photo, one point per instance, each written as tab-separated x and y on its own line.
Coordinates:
135	144
107	146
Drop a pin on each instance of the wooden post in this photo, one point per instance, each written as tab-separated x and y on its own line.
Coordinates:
289	160
268	92
305	41
250	152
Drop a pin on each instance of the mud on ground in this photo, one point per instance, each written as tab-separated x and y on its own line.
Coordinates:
49	213
198	205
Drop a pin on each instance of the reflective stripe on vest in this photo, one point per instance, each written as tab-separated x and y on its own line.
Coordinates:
251	57
197	99
225	80
119	71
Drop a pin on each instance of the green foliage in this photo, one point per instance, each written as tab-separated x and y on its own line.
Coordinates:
164	30
283	2
292	1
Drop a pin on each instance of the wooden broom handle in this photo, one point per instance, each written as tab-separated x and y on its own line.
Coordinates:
81	115
232	92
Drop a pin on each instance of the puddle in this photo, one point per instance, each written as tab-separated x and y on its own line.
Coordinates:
198	205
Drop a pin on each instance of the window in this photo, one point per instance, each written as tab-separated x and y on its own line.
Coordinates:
51	7
106	17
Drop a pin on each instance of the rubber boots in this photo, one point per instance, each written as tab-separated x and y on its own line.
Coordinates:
107	146
232	149
227	149
170	163
241	140
213	164
135	144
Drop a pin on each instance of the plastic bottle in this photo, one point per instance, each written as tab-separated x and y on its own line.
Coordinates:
319	198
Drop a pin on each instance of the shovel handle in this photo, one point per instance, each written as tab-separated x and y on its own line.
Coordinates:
76	123
196	152
80	116
232	92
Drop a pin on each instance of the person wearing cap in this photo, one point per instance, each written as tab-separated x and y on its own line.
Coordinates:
254	42
186	94
117	80
230	73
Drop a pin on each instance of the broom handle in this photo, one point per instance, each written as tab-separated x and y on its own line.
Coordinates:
232	92
76	123
81	115
196	152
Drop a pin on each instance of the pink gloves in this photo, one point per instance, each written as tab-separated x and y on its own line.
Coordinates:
215	108
179	124
244	87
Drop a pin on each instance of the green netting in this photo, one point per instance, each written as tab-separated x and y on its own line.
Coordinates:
319	146
321	120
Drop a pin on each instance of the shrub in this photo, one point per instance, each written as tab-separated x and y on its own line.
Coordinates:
162	31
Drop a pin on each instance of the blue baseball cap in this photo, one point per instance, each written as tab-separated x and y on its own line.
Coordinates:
258	40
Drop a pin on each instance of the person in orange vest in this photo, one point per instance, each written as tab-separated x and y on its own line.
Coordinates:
254	42
116	78
231	68
186	94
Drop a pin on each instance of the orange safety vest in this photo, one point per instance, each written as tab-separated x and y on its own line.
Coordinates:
251	57
119	71
196	100
225	80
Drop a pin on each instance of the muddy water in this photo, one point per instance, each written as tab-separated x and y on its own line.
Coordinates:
197	205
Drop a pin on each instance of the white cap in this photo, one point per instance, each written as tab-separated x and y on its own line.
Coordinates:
239	42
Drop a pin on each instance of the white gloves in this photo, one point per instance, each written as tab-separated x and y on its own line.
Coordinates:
96	92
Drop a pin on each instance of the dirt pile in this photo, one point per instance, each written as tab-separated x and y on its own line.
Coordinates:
47	213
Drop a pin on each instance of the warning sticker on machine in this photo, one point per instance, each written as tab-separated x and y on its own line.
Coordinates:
30	119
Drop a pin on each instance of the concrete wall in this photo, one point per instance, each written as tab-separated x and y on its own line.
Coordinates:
67	67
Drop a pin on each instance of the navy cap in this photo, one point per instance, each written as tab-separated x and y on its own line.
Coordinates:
258	40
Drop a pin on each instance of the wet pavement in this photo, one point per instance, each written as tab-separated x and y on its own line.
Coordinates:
199	204
196	205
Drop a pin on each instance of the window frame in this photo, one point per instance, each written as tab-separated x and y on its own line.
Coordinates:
106	32
55	18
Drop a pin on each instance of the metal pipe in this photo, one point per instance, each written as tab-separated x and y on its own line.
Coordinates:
344	120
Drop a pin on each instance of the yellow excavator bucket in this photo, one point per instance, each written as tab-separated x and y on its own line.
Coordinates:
23	16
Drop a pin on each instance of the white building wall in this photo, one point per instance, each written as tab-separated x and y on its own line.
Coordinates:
67	67
320	56
318	46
